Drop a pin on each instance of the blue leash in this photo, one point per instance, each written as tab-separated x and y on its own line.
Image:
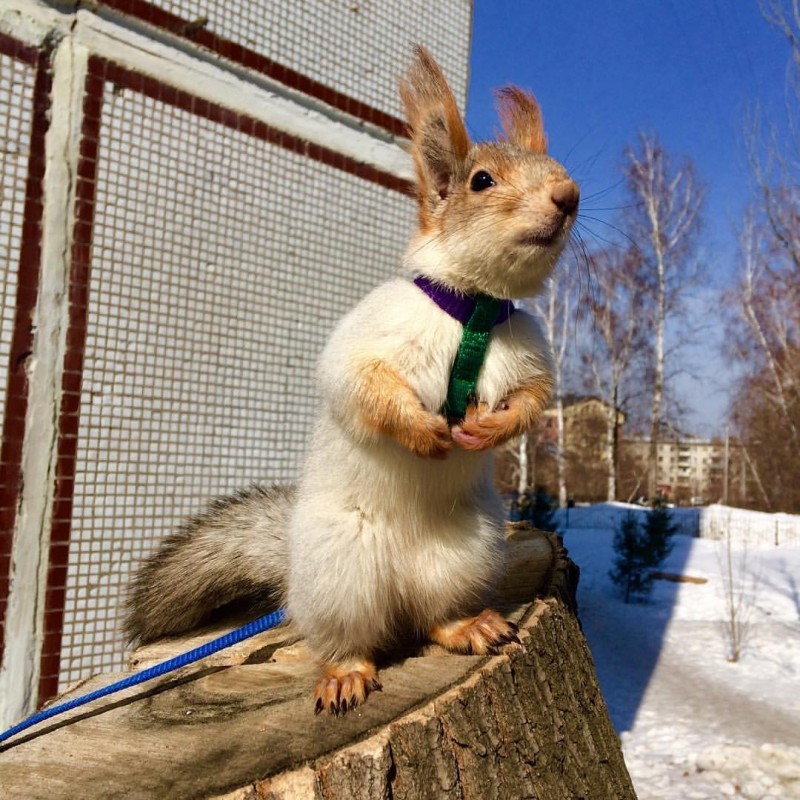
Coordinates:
215	645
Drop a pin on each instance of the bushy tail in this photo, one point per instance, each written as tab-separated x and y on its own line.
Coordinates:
234	550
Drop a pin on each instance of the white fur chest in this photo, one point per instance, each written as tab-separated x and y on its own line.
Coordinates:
399	325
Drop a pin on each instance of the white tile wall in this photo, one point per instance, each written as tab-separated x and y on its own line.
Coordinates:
358	47
219	265
16	99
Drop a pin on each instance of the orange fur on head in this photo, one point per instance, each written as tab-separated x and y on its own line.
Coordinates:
521	119
439	141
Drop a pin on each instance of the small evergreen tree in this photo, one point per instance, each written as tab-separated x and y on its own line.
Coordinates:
629	572
640	550
658	532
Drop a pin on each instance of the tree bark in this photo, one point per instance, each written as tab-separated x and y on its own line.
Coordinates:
561	455
612	453
523	481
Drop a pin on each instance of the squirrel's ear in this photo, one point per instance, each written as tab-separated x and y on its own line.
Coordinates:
439	141
521	119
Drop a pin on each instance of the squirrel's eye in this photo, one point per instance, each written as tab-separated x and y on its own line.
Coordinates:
481	180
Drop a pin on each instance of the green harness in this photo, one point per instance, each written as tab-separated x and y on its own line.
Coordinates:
470	356
478	314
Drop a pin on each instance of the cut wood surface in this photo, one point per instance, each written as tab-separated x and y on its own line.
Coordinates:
673	577
528	723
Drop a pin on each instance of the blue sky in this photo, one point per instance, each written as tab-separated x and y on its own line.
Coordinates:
691	71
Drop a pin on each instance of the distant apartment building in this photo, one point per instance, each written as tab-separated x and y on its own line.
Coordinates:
586	445
691	469
585	426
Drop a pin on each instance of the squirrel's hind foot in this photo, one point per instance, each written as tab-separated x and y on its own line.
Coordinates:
344	686
485	633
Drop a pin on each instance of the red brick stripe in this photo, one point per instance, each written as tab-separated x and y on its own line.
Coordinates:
148	12
16	403
19	50
121	76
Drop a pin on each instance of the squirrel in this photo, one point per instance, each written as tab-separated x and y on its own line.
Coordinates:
395	529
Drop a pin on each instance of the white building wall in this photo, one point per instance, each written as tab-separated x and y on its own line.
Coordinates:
220	264
16	95
357	46
216	261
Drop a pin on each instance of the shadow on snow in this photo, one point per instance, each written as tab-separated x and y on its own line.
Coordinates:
625	639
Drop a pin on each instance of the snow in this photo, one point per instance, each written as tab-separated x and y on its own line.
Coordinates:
707	522
694	725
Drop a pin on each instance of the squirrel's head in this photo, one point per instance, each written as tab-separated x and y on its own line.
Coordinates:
495	216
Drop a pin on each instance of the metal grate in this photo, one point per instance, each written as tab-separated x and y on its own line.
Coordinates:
220	261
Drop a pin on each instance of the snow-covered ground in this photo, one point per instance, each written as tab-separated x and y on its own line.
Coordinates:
693	725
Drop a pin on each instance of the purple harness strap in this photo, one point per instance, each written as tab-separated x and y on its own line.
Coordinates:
457	305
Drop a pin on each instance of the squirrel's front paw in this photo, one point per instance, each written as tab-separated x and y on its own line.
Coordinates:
483	429
429	437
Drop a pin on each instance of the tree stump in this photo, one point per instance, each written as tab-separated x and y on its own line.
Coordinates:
529	723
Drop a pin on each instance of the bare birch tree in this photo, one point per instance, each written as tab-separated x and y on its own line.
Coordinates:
764	337
664	223
616	344
769	304
764	309
519	456
775	157
524	478
556	307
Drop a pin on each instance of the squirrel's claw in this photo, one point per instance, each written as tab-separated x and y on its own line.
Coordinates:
487	633
344	687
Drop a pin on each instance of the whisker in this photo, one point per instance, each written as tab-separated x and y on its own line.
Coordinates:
588	261
619	230
600	238
580	141
606	190
613	208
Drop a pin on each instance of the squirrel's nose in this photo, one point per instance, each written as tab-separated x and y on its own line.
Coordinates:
565	196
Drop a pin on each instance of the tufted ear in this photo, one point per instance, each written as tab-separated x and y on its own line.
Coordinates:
439	141
521	119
